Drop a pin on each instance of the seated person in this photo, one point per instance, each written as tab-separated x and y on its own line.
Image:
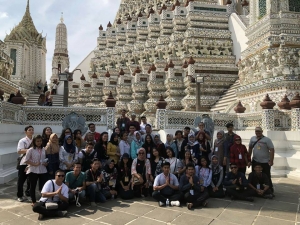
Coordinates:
86	156
94	178
215	189
259	183
54	191
166	186
110	180
75	180
236	184
194	193
124	178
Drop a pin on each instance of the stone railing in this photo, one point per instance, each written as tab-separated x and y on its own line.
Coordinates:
10	113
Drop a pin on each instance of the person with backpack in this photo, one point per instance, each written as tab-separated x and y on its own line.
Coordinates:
86	156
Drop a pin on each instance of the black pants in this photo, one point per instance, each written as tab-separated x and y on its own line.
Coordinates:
33	178
158	196
217	194
242	170
266	170
140	190
22	177
40	208
241	194
253	193
126	194
196	199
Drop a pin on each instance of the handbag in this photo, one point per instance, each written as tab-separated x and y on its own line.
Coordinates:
51	205
19	159
136	181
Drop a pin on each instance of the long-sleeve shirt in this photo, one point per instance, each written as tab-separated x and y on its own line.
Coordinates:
134	147
185	186
204	175
217	176
112	150
36	156
124	148
66	157
239	156
231	176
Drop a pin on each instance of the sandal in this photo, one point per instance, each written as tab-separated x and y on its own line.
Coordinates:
189	205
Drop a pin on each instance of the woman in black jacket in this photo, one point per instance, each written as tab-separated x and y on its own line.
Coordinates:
101	149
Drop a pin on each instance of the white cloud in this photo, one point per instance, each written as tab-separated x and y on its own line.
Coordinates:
3	15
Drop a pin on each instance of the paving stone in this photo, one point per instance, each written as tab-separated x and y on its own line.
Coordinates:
93	213
285	215
118	218
261	220
208	212
21	210
145	221
236	217
220	222
21	220
287	197
138	209
281	205
163	214
73	220
115	204
244	207
191	219
7	216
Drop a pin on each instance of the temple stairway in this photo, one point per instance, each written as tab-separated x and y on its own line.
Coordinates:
227	99
33	99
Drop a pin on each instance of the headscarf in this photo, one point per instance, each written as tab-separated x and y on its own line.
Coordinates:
190	142
70	148
168	144
215	167
138	142
141	157
112	137
202	142
217	141
107	169
52	147
157	142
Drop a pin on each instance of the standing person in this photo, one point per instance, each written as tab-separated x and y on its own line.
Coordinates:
204	145
68	154
239	155
229	141
186	132
175	164
52	154
204	173
159	145
215	189
124	145
166	187
201	127
36	160
101	148
140	171
45	87
54	87
148	146
47	131
53	191
156	163
113	150
148	129
171	143
86	156
75	180
194	147
122	121
23	146
92	129
194	194
143	124
124	178
136	144
263	153
131	133
94	178
219	150
64	133
80	143
117	130
180	144
133	122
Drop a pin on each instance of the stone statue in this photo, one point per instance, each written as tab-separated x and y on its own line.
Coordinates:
209	124
74	122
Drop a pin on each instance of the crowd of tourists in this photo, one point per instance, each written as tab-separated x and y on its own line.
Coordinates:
189	168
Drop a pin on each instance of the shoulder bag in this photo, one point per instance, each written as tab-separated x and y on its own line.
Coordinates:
51	205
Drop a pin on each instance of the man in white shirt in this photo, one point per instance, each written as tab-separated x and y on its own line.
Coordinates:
143	125
166	187
22	148
54	191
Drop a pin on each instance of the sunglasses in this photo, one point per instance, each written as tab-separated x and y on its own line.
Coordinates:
60	175
234	167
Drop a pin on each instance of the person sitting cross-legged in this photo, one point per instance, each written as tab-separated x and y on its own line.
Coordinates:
166	186
75	180
236	184
259	183
54	191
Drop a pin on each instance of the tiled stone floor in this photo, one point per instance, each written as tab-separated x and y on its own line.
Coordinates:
283	210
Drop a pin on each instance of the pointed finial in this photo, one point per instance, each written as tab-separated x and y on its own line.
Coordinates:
27	7
62	17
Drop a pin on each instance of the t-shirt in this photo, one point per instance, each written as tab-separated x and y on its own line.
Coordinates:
261	179
91	176
73	181
161	180
48	187
261	152
24	143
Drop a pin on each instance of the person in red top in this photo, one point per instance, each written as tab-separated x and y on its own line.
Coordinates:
92	129
239	155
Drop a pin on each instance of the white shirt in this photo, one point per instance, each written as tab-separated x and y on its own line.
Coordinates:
36	156
175	164
54	86
24	143
161	180
48	187
64	156
124	148
80	154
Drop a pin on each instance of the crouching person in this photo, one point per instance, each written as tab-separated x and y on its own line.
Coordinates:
236	184
54	200
94	179
259	183
75	180
166	188
194	194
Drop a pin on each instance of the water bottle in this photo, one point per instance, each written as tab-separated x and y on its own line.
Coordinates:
167	203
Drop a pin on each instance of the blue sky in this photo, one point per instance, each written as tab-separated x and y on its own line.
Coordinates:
82	18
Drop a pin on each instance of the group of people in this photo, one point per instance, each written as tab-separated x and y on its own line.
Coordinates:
45	99
133	162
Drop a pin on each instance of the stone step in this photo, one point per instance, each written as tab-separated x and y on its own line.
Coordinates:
33	98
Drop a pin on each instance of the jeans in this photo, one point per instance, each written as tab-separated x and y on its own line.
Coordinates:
158	196
95	195
80	194
40	208
22	177
33	178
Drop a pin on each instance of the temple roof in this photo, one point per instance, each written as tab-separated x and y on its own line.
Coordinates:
25	30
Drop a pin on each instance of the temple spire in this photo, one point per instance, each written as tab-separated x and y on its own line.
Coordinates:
61	18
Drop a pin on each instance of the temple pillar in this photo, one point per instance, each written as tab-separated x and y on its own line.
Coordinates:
295	119
268	122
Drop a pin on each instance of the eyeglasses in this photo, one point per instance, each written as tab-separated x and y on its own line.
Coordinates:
60	175
234	167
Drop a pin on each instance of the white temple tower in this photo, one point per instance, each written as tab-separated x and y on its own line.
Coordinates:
60	58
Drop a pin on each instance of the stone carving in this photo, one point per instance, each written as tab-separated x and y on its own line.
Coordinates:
74	122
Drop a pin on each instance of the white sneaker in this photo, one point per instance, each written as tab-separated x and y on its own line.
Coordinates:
161	204
175	203
22	199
